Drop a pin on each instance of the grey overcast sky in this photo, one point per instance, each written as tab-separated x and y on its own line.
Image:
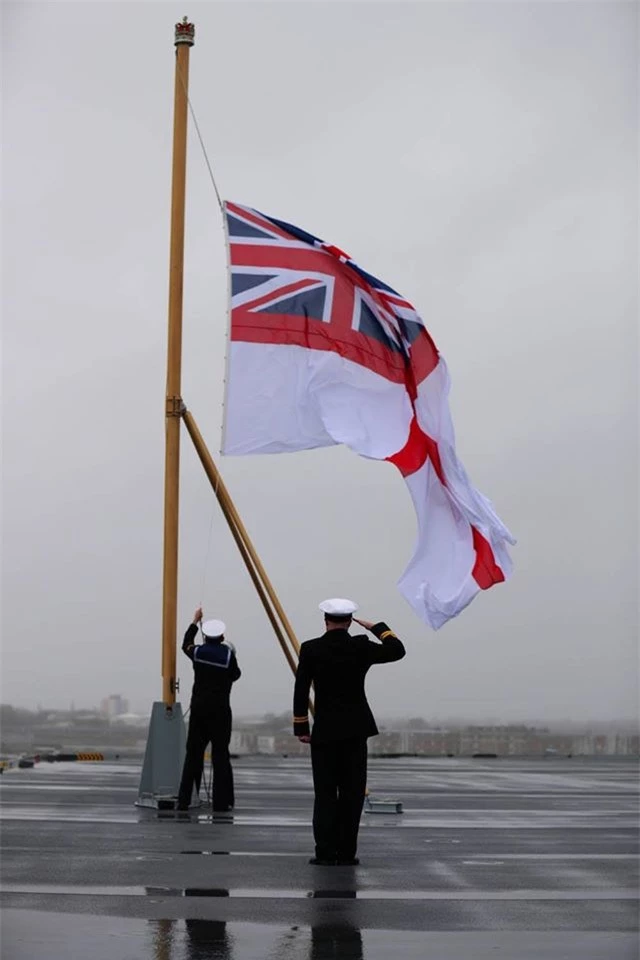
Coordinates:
480	157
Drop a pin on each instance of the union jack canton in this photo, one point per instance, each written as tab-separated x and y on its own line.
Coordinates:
289	287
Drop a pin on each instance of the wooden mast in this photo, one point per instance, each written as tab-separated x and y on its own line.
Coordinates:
164	754
184	39
175	410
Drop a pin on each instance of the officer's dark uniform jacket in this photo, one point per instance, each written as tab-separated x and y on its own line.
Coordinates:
215	669
337	664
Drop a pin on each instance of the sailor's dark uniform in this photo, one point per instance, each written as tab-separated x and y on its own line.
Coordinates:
337	664
215	670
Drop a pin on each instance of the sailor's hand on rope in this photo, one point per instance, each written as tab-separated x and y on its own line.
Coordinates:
197	617
364	623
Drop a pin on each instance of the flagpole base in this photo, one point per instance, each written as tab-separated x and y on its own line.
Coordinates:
163	758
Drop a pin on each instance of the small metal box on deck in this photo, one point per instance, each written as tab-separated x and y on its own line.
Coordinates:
382	805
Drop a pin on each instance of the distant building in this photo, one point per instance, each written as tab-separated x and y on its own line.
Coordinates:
610	745
114	706
131	719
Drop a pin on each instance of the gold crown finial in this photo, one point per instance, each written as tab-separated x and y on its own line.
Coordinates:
185	33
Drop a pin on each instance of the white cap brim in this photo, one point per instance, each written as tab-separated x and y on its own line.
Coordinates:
213	628
338	607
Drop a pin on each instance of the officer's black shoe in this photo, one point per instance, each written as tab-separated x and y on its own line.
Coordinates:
317	862
353	862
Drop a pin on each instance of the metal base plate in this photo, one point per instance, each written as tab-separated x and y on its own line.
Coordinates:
163	758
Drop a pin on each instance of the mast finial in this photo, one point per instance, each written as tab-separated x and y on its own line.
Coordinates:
185	33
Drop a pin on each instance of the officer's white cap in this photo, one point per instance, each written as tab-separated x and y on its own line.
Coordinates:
213	628
338	607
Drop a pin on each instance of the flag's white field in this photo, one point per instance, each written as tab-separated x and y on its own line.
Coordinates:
322	353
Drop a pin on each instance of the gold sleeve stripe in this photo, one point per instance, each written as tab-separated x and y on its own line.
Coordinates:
301	719
387	633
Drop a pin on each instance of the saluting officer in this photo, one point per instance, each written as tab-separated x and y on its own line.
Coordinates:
336	663
215	669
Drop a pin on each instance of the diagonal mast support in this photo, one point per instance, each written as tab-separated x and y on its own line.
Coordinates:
264	588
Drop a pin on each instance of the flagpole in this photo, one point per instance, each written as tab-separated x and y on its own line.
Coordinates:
166	740
184	39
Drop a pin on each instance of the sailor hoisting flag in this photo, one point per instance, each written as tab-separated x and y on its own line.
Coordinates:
322	352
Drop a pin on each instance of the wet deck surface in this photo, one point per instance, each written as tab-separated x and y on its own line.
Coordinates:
492	858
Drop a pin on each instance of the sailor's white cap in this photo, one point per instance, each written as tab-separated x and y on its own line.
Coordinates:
213	628
338	607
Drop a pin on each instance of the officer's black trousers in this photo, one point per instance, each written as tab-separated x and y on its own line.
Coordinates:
339	783
207	725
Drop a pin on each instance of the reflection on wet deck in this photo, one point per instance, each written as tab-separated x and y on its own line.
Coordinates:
196	938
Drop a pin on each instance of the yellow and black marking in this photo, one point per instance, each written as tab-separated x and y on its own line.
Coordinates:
301	719
90	757
387	633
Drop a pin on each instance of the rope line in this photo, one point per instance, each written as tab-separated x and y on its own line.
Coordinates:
204	149
205	568
206	557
